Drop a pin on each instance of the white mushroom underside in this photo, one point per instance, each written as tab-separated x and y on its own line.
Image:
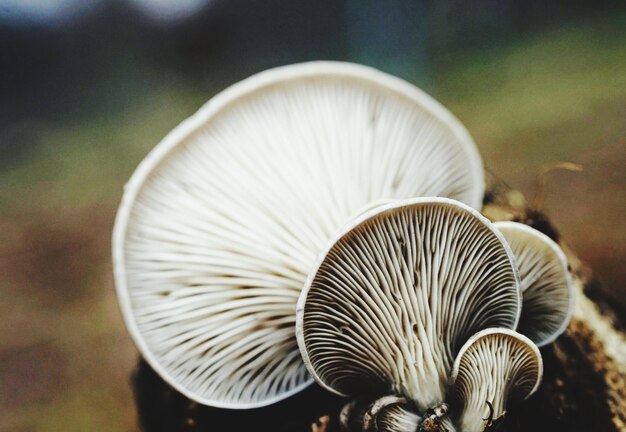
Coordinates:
397	296
397	419
547	289
217	234
394	416
494	367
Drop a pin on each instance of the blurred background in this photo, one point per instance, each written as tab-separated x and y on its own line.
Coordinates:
88	87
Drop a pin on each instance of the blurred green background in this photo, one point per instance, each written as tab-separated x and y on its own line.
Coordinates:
86	92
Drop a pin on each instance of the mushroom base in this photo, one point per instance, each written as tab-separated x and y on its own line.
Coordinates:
583	388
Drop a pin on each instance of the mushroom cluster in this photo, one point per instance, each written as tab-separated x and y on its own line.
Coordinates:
232	293
420	299
221	223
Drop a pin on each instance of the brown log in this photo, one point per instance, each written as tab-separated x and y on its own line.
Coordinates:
584	385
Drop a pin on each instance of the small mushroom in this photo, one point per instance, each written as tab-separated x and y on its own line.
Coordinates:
391	414
220	224
437	419
494	367
351	415
546	283
392	300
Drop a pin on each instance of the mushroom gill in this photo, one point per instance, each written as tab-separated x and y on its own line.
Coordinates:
392	300
391	414
546	283
220	224
494	367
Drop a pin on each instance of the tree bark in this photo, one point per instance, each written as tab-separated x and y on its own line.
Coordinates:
583	388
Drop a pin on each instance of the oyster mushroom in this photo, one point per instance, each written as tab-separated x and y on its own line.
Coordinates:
494	367
546	283
391	414
392	300
351	415
220	224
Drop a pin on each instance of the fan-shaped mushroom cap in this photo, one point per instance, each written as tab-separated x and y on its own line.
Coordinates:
493	367
395	296
546	283
391	414
222	221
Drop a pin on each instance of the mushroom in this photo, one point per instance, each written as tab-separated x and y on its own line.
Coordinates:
494	366
546	283
391	414
351	415
392	300
220	224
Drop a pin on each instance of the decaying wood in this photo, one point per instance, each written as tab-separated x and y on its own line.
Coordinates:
584	385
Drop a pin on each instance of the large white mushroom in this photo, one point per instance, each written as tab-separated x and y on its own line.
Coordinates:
392	300
546	283
220	224
494	367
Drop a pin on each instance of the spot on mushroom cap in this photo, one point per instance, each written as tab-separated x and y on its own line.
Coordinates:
390	303
546	283
222	221
493	367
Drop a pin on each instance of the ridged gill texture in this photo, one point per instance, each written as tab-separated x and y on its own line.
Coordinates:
547	287
494	367
221	223
391	414
397	295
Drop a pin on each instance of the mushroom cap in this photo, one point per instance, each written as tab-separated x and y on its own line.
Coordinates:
221	222
546	283
351	415
493	367
391	414
397	293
